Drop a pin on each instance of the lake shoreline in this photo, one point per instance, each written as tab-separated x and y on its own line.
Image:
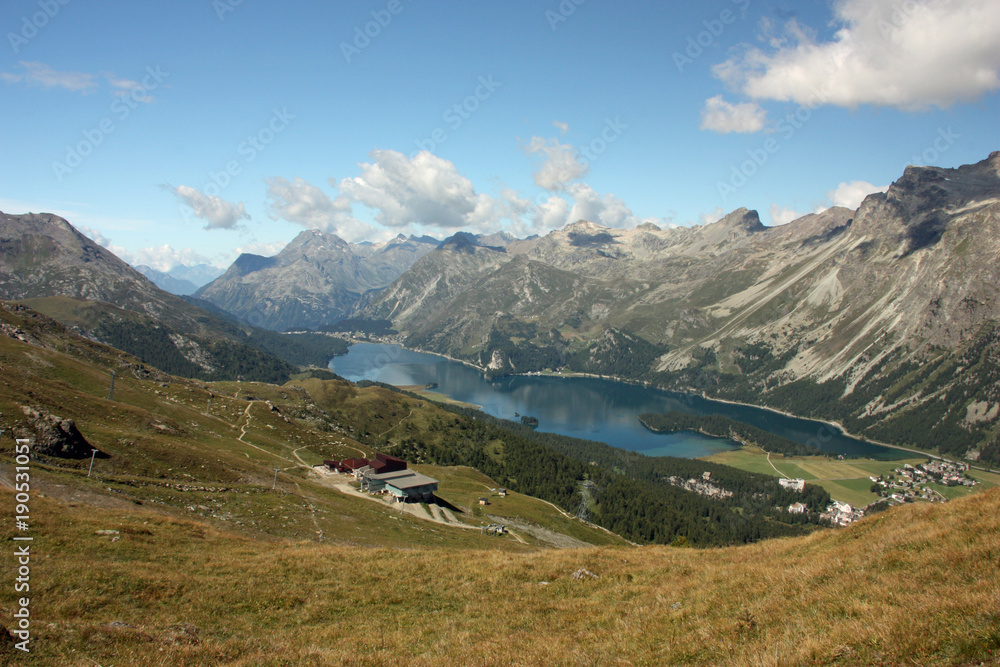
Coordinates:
835	429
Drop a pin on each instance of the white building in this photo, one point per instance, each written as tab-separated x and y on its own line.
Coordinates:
793	484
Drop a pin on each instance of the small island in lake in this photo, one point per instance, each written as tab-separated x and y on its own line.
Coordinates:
724	427
529	421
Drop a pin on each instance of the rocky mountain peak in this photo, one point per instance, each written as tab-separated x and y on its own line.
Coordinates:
740	220
583	227
915	210
248	262
463	242
732	228
313	240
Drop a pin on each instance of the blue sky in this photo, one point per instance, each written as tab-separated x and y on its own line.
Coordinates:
193	130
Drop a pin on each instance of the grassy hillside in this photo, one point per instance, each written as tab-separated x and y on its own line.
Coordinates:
221	347
191	448
213	562
916	585
172	422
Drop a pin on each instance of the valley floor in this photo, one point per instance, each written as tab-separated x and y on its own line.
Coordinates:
847	480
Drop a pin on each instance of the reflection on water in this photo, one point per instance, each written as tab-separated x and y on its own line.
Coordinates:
589	408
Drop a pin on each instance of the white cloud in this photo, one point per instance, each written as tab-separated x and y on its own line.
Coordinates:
551	213
263	248
560	165
423	190
418	194
581	202
607	210
852	194
427	194
215	211
303	203
723	117
128	87
95	236
40	74
782	216
712	216
161	258
909	55
563	127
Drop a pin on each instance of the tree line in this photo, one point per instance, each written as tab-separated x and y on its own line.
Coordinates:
724	427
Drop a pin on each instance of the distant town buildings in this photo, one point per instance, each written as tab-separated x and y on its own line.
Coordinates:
905	484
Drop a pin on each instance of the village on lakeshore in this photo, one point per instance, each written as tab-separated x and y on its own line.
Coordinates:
906	484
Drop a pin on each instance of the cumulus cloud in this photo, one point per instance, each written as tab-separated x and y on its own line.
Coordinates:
427	194
162	258
582	202
95	236
421	190
782	216
303	203
607	210
724	117
908	55
712	216
852	194
40	74
560	163
551	213
215	211
563	127
263	248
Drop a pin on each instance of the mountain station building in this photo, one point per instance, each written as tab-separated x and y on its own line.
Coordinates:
405	485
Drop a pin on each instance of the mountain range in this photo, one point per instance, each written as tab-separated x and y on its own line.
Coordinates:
883	318
206	520
207	496
180	280
49	265
316	280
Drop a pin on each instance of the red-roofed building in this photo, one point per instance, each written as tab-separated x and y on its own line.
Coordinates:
347	465
384	463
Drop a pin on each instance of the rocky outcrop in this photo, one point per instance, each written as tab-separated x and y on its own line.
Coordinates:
52	435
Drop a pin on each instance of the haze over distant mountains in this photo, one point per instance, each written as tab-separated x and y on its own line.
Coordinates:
181	280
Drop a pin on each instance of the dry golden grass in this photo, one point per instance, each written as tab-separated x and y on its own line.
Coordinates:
209	577
917	585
